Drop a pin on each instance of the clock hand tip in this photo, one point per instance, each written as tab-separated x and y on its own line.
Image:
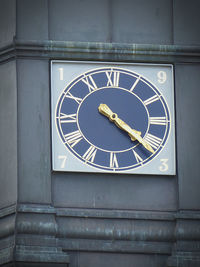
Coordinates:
149	148
105	110
100	107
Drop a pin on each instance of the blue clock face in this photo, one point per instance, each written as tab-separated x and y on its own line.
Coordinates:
99	142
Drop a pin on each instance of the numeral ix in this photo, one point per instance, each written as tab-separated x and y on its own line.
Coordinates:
67	118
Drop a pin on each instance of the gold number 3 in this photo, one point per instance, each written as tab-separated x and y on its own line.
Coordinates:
164	166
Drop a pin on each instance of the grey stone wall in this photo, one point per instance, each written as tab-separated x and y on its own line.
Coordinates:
80	219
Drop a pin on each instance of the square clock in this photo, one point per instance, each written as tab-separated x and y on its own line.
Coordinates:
112	117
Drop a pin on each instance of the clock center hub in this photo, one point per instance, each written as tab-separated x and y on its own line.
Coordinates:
101	132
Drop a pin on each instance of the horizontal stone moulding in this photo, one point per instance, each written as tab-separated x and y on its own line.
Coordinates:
188	230
7	226
96	213
41	224
40	254
107	224
116	229
100	51
116	246
5	211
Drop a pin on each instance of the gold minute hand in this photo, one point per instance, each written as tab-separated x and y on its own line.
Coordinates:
134	135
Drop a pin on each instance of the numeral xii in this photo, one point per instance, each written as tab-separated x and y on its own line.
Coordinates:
112	78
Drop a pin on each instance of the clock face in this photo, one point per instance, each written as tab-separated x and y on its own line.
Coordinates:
129	138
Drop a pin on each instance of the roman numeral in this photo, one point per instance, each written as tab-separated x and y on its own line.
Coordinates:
151	100
158	120
153	140
113	160
89	81
137	157
135	83
113	78
90	154
73	138
67	118
77	99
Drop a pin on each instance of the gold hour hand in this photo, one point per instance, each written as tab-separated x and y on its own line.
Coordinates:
105	110
134	135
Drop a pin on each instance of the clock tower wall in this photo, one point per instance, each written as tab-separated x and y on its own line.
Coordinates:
69	218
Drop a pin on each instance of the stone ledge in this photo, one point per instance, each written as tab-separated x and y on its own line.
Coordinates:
50	49
184	259
6	255
96	213
7	210
40	254
116	246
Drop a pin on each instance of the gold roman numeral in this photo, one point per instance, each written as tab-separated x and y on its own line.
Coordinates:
151	100
113	160
67	118
90	154
77	99
158	120
153	140
89	81
137	157
113	78
73	138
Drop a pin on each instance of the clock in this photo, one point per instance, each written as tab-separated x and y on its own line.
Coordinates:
112	117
